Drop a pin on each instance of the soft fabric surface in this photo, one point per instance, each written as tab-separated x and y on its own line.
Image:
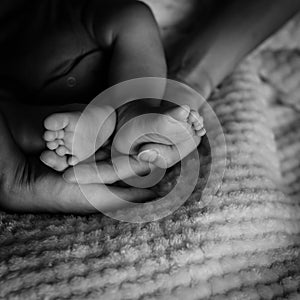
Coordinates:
242	242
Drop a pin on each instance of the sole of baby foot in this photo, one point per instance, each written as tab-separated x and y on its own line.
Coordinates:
171	127
76	134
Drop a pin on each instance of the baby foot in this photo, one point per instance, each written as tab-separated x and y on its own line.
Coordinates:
169	128
64	149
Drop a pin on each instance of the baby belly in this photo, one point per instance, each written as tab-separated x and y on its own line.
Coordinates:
86	79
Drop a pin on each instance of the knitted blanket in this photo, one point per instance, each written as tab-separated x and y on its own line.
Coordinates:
242	242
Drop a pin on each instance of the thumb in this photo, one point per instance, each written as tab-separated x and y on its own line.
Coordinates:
165	156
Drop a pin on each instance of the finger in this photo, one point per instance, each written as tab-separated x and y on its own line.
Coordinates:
94	197
101	154
132	194
102	172
167	155
108	199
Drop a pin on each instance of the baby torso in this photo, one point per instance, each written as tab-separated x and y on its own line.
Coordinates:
48	55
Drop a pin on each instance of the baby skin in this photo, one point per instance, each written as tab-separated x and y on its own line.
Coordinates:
161	126
120	30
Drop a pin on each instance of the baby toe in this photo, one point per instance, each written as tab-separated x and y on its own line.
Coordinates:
57	121
50	136
62	150
61	142
198	127
52	145
201	132
60	134
195	118
52	160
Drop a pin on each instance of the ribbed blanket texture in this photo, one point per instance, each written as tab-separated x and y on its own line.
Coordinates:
242	242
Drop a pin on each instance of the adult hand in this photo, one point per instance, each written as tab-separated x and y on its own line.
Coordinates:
29	186
165	156
99	170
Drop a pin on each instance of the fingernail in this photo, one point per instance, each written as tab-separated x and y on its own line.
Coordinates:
148	155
